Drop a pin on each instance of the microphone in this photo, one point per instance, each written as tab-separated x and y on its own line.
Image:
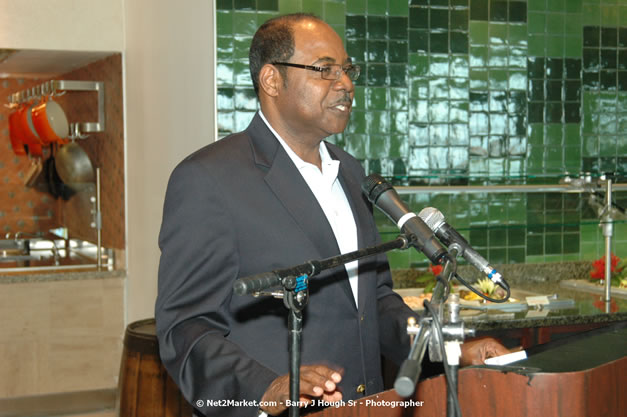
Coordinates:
448	235
384	196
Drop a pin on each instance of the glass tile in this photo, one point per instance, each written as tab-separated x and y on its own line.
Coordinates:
537	45
356	6
537	22
377	7
438	88
224	4
555	46
553	90
517	102
498	56
478	101
478	123
622	81
272	5
609	17
356	48
357	122
609	80
458	88
244	4
377	27
459	42
572	90
399	122
377	75
224	74
458	134
398	75
459	19
438	134
517	80
517	36
438	112
478	79
241	47
609	59
478	33
334	13
438	42
377	51
398	27
438	19
498	33
355	26
478	56
419	111
376	98
622	37
242	120
419	18
591	80
498	11
225	48
459	66
535	67
439	66
458	158
592	36
438	158
622	59
225	99
553	112
398	51
554	68
553	135
573	68
479	10
419	134
517	11
225	122
498	101
224	21
245	99
498	79
555	23
244	23
591	62
535	112
458	112
418	41
398	8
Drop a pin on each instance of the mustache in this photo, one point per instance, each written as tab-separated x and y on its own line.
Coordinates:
345	99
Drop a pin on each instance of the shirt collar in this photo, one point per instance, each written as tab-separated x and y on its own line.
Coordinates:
325	156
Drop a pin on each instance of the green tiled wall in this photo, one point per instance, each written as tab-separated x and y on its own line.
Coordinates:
471	92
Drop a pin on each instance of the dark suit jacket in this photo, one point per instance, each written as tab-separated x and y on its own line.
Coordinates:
238	207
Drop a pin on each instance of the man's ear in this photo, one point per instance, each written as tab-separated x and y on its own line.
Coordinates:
270	80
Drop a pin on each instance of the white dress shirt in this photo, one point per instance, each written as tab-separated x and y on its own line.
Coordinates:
326	187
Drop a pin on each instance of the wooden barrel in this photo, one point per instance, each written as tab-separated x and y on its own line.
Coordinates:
145	388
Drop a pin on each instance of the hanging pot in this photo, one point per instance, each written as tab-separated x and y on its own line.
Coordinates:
74	166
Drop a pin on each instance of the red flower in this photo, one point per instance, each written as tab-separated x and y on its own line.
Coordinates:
436	269
598	267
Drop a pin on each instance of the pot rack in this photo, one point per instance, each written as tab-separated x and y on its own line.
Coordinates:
59	87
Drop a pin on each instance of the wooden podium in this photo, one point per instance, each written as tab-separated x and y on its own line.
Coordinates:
582	378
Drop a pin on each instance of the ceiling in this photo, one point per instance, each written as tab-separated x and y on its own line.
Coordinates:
34	63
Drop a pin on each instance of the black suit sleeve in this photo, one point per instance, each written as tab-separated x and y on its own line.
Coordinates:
199	262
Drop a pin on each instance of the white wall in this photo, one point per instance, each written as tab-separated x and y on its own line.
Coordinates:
89	25
169	83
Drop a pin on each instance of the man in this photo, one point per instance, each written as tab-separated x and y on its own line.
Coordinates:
270	197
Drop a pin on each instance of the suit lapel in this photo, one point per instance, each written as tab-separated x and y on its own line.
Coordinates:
290	188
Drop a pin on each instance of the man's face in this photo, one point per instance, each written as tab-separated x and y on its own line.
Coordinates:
311	107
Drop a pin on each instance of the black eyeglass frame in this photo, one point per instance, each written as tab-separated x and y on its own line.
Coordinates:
325	70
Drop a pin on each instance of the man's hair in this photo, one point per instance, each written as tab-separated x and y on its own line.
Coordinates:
274	42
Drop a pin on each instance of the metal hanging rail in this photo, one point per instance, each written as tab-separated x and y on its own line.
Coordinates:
53	87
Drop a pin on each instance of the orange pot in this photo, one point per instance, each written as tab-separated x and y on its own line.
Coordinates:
15	133
31	138
50	122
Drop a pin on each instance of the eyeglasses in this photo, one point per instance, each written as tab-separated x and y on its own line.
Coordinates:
331	72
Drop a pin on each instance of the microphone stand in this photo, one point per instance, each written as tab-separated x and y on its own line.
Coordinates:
295	295
443	341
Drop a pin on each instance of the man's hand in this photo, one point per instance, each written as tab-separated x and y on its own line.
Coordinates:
476	351
316	381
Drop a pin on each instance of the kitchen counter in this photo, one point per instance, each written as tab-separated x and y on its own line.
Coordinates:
70	275
542	279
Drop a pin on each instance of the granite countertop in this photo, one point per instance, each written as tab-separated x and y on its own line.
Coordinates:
540	279
50	276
